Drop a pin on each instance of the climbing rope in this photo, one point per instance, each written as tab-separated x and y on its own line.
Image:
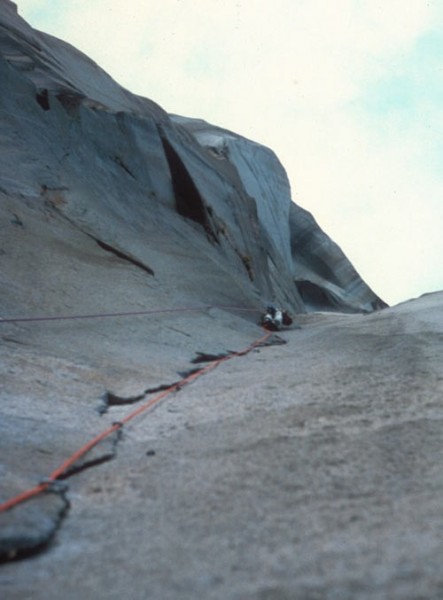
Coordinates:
123	314
62	471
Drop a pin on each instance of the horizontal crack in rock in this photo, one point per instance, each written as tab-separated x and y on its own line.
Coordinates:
96	456
109	399
162	387
205	357
185	374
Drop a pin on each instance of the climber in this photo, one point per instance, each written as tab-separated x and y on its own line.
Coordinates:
274	318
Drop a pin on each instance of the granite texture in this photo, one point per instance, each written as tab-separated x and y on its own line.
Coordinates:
309	468
120	170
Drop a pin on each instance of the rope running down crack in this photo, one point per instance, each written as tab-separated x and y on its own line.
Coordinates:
60	472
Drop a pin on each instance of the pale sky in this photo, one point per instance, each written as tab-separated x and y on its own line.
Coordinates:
348	94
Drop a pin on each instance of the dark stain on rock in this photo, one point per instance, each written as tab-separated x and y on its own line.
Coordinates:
17	221
70	100
43	99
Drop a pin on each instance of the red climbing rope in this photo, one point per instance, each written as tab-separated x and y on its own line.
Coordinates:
62	470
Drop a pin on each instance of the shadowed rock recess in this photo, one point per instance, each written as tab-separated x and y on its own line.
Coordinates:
308	468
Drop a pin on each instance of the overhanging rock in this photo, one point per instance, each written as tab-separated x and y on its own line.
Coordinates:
149	184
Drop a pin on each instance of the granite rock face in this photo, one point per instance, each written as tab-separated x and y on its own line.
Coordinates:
308	468
118	169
